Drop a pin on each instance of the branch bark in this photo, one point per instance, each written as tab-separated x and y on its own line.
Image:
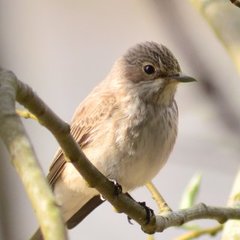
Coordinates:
200	211
158	198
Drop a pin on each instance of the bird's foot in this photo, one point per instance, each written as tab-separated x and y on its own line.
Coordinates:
117	190
118	187
149	213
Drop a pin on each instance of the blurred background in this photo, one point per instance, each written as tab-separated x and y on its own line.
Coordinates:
62	49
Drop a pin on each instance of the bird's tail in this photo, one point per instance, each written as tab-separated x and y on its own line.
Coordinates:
77	217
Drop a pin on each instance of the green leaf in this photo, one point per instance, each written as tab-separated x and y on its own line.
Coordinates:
191	191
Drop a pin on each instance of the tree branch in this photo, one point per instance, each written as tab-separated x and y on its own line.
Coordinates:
25	162
95	178
158	198
200	211
236	3
200	232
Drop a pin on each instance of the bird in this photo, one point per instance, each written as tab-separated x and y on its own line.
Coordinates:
127	127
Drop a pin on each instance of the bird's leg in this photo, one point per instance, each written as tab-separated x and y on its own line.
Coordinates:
149	211
164	208
118	190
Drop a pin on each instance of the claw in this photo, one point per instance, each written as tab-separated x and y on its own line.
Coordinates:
129	220
102	198
118	187
149	212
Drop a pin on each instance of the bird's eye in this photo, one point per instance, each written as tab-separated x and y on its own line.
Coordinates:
149	69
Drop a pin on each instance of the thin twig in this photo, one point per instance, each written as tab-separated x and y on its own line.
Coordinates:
198	233
200	211
161	203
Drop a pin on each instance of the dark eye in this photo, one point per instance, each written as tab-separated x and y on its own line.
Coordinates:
149	69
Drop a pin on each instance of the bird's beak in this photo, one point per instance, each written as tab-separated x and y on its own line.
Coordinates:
182	78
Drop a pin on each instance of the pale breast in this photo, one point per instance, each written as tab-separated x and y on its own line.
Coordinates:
144	141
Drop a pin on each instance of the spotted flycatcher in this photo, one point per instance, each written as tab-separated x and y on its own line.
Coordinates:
126	126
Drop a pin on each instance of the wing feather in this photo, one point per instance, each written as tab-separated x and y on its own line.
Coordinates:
85	122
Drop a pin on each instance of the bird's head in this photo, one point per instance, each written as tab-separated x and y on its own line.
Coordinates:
150	71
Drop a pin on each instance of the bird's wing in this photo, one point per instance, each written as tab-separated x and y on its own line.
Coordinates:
86	121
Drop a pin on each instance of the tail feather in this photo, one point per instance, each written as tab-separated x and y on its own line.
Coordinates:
84	211
77	217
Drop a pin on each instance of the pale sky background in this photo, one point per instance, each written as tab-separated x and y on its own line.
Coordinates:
62	49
